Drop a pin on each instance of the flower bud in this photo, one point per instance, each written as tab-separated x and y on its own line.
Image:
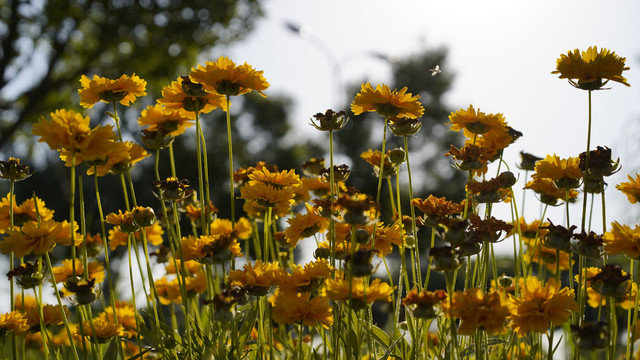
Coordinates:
143	216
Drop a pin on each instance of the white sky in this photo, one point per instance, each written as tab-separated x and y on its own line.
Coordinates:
501	51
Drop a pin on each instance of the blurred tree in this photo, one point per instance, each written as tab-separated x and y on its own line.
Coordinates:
47	45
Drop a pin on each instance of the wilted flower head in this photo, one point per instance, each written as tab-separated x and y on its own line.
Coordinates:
28	275
586	70
558	237
600	162
611	281
173	188
124	90
13	170
588	245
528	161
423	304
591	336
387	103
404	126
330	120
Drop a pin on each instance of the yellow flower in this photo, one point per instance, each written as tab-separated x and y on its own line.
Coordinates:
338	289
221	226
70	131
257	278
385	237
386	102
475	122
530	231
310	277
546	256
39	239
478	311
621	239
13	321
374	158
213	249
549	193
422	304
159	119
539	306
565	173
276	179
175	99
116	157
22	213
261	196
153	234
51	315
291	307
124	90
591	67
169	291
224	77
65	271
126	317
631	188
436	208
305	225
100	330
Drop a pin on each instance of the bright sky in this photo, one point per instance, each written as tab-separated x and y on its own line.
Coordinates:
501	51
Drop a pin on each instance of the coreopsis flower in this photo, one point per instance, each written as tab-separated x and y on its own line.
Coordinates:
374	158
600	162
558	237
13	321
631	188
385	237
423	304
478	310
621	239
292	307
65	271
22	213
191	266
279	180
173	188
611	281
241	176
193	211
126	317
487	230
445	258
153	235
176	99
310	277
330	120
69	132
13	170
260	196
358	295
51	315
257	278
528	161
542	255
586	70
436	209
120	157
316	186
224	77
39	239
313	166
495	140
472	158
565	173
100	330
530	231
242	229
588	245
156	118
404	126
302	226
124	90
169	291
387	103
28	275
540	306
488	191
213	249
356	208
549	193
476	122
123	221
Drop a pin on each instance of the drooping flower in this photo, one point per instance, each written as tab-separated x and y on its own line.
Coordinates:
292	307
176	99
224	77
586	70
478	310
396	103
125	90
539	306
631	188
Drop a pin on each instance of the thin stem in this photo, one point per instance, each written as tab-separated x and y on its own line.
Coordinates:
231	184
586	166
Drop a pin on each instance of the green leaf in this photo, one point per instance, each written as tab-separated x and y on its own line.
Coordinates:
390	349
112	352
380	336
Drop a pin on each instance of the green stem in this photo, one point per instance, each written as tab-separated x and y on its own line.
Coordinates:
332	222
586	166
11	264
231	184
414	231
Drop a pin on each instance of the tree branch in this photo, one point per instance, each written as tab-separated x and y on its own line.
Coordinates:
7	43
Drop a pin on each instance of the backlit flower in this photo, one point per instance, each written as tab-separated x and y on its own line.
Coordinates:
631	188
13	170
22	213
13	321
38	239
542	255
156	118
153	234
65	271
478	310
126	317
279	180
477	122
396	103
436	209
261	196
124	90
587	69
302	226
100	330
291	307
224	77
175	99
310	277
539	306
257	278
69	131
213	249
242	227
423	304
565	173
549	193
374	158
360	295
621	239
